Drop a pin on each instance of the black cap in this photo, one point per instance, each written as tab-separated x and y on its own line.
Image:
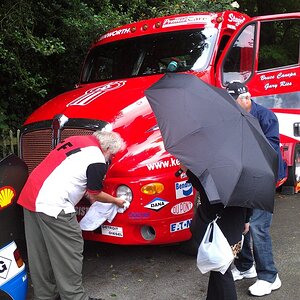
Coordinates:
236	88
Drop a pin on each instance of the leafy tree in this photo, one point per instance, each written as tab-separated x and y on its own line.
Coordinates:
268	7
43	43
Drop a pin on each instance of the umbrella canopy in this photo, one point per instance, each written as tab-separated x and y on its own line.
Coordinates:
216	139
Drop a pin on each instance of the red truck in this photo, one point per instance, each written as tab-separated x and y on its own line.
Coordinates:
123	63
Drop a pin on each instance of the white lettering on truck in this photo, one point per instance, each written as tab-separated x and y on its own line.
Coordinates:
114	33
92	94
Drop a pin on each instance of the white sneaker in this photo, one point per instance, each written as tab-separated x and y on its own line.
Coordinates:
238	275
262	287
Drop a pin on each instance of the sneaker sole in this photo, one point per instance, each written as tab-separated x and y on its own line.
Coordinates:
278	286
244	276
273	288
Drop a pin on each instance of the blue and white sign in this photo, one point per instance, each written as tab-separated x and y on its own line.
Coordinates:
183	189
180	225
156	204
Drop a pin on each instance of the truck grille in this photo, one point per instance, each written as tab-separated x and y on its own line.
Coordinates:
35	145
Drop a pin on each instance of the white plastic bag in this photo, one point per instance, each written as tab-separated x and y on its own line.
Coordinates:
214	252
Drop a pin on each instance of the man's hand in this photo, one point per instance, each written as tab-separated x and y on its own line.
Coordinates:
120	202
107	198
246	228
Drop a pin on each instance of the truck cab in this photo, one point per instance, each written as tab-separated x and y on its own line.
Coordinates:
119	67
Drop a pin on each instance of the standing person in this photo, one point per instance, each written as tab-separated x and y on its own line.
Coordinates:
54	241
260	221
233	221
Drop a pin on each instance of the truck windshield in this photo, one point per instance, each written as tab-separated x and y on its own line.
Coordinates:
150	54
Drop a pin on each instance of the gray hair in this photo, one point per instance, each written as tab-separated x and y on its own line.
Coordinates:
110	140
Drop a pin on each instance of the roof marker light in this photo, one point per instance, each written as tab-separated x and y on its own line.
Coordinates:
219	19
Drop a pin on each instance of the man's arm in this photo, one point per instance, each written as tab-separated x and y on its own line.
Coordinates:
106	198
270	127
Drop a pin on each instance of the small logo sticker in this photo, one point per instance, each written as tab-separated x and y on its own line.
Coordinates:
183	189
138	215
181	208
4	266
180	225
112	230
7	195
157	204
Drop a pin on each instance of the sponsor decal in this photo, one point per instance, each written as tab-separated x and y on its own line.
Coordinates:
4	266
197	19
7	195
181	208
281	80
180	225
81	210
138	215
114	33
183	189
112	230
236	20
172	162
231	26
92	94
183	175
156	204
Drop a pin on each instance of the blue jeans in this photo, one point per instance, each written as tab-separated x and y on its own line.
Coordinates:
260	223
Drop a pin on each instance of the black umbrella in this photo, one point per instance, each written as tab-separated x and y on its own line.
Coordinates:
216	139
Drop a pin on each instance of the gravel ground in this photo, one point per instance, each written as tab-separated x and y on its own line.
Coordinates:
166	273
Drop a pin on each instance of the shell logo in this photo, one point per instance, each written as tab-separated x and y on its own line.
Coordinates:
7	194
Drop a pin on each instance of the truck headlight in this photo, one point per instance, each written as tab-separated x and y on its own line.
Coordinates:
124	192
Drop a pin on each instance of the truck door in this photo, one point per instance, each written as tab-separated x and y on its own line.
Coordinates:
261	54
264	54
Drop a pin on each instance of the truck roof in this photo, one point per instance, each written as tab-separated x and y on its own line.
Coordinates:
227	19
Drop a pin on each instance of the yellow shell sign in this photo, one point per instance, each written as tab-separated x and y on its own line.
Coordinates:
6	196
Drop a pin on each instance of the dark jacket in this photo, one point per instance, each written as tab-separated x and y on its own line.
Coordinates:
232	219
270	127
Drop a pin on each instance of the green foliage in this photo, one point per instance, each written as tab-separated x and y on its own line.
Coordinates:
43	43
268	7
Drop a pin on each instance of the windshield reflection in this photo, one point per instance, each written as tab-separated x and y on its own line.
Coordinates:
289	100
151	54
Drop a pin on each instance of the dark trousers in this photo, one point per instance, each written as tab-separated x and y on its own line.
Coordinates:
221	287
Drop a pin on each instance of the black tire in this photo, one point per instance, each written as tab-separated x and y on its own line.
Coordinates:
293	174
4	296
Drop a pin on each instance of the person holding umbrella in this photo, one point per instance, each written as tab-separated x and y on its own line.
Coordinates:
260	221
225	155
233	221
